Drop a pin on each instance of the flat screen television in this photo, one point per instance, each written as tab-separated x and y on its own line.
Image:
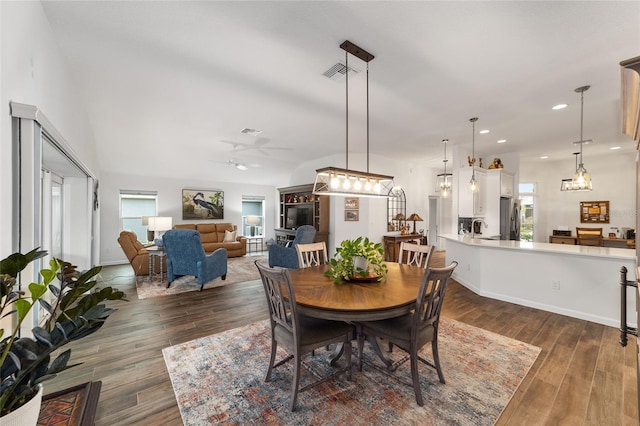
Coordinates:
298	216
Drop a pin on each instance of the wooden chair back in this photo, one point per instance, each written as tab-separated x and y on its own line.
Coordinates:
589	236
416	254
313	254
430	297
280	298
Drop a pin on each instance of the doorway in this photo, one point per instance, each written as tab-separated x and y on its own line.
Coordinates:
434	216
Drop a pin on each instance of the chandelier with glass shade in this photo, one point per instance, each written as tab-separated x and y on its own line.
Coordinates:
444	178
581	180
473	183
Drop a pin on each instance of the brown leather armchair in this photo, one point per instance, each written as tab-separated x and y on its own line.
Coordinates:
136	253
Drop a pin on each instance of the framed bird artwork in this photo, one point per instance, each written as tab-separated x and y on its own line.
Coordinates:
200	204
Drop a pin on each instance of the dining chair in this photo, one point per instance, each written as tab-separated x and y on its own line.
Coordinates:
313	254
416	254
412	331
589	236
298	333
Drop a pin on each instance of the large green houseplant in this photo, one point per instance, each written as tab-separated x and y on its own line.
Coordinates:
345	265
75	310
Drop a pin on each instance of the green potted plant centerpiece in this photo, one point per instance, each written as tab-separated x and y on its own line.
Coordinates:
357	259
75	308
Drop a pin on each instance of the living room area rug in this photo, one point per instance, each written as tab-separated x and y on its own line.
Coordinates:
219	379
239	269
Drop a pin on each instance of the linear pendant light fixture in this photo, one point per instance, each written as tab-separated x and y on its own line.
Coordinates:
473	183
581	180
344	181
444	178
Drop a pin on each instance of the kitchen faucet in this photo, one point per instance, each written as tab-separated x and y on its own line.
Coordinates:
473	229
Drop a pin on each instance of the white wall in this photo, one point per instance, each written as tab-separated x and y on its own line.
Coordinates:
613	178
170	204
33	72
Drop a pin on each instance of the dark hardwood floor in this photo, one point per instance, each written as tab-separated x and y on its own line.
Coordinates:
582	376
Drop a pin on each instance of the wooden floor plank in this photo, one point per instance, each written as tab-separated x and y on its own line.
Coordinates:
583	376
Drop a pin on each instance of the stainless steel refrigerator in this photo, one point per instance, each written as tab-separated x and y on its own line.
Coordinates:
509	219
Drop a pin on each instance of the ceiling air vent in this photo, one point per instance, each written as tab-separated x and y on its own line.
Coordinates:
338	71
250	132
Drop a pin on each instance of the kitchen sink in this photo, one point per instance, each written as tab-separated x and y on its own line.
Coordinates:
491	237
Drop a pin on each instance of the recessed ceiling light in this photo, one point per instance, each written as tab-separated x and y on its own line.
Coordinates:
502	141
613	148
544	157
559	106
482	132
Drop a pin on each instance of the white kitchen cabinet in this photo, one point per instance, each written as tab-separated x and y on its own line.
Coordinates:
502	182
506	184
471	204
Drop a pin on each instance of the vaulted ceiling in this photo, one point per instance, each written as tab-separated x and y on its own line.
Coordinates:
172	84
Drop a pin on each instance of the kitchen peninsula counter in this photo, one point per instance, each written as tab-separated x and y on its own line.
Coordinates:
578	281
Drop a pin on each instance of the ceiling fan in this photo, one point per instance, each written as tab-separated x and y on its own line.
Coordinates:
234	162
258	145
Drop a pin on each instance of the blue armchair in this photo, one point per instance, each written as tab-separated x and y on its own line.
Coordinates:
185	256
287	257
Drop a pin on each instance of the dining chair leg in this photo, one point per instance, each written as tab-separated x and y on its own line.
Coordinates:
295	382
348	353
436	358
271	359
360	336
414	376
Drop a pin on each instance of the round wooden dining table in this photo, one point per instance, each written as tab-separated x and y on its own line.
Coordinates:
318	296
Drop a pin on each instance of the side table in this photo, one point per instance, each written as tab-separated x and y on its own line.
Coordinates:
255	244
155	252
75	406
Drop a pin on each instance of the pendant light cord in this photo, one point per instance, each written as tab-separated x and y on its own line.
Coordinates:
346	62
367	117
445	157
581	120
473	145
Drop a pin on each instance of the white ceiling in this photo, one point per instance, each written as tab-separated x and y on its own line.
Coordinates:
168	82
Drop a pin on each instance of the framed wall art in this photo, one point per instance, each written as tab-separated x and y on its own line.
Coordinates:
352	203
352	215
200	204
594	212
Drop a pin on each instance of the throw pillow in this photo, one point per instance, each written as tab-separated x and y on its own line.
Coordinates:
230	236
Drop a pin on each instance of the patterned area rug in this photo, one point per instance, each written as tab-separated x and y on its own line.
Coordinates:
219	379
239	269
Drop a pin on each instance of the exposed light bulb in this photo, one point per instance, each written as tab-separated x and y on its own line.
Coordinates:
346	184
473	184
367	185
376	187
335	182
357	185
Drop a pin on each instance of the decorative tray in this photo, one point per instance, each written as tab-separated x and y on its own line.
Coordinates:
368	278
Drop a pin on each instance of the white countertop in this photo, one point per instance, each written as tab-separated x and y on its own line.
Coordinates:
566	249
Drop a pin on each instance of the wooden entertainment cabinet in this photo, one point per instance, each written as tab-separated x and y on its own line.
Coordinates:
300	198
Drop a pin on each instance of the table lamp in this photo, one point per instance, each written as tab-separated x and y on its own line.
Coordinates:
253	221
414	217
157	225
